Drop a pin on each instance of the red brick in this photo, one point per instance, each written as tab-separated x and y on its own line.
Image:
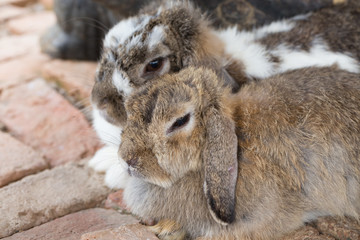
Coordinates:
20	3
72	226
17	160
10	12
15	46
133	232
115	201
48	4
34	23
43	119
40	198
21	69
77	78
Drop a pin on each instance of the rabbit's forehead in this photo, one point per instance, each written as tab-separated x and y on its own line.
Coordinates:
134	37
161	102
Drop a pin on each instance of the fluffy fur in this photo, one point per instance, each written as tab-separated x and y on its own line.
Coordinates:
179	35
254	165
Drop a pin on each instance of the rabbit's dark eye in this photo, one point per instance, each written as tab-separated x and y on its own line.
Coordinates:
179	123
154	65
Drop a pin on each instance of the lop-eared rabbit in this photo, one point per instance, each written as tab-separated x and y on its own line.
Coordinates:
178	35
252	165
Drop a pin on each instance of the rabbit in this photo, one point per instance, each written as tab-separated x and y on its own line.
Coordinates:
177	35
256	164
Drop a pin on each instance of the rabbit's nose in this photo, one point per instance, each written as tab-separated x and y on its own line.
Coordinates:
132	162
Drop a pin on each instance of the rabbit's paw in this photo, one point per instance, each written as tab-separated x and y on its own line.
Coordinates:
103	159
106	160
168	230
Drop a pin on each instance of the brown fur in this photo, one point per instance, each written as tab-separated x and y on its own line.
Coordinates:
298	153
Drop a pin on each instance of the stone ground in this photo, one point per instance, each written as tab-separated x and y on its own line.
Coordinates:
47	191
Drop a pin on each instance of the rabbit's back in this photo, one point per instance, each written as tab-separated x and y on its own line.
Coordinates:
302	131
334	28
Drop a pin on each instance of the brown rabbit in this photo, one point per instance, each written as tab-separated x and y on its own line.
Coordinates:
253	165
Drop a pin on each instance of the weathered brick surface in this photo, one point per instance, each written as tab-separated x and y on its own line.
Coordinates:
39	198
48	4
8	12
72	226
34	23
16	46
22	69
133	232
40	117
17	160
20	3
77	78
115	201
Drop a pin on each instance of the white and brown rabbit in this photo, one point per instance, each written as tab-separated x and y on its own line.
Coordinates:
177	35
253	165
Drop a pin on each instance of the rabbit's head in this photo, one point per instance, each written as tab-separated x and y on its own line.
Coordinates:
180	123
147	46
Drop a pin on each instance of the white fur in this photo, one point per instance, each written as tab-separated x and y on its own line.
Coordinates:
156	36
159	11
108	133
275	27
135	41
106	159
121	82
135	188
117	175
319	55
110	57
302	16
241	46
119	33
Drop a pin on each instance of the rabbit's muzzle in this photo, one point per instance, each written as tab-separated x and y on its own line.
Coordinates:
132	164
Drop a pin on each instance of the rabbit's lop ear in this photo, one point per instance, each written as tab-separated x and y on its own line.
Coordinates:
221	166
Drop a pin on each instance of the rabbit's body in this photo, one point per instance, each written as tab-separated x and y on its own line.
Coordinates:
298	152
180	36
327	37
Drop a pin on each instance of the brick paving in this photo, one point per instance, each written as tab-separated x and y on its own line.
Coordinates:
46	189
